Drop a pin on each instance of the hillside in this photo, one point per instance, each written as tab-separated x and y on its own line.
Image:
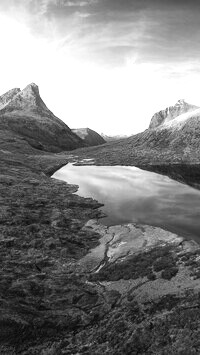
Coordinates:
89	136
24	113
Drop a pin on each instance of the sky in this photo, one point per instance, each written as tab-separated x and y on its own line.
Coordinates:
104	64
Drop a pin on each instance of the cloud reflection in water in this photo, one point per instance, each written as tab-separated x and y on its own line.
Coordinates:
134	195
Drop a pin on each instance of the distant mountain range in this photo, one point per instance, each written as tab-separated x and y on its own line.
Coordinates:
24	113
113	138
89	136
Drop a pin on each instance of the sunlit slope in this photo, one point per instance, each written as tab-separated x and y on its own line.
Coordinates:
170	113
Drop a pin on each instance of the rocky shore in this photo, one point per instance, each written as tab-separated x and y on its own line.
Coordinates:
70	285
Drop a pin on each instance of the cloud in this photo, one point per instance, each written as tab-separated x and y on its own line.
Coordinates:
110	32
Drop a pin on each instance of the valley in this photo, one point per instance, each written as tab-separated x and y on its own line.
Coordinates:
71	284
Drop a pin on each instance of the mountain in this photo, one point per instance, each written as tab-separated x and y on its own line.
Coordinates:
176	128
89	136
168	114
25	113
113	138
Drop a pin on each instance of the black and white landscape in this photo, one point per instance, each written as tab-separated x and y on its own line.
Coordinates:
99	232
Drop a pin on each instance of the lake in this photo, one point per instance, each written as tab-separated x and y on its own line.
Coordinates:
131	195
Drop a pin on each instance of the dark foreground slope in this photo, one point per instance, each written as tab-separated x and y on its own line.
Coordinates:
89	136
24	113
61	294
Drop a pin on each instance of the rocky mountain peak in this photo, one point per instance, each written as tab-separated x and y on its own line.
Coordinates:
181	102
27	99
32	88
30	93
170	113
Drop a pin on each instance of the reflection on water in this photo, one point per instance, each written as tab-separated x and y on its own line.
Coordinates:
134	195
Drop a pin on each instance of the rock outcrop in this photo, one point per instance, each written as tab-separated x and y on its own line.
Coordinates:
170	113
25	113
89	136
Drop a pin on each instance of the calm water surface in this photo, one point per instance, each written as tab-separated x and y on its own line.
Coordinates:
134	195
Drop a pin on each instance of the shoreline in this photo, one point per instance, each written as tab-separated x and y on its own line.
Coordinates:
188	235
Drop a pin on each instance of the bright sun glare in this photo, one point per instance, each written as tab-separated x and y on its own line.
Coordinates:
109	100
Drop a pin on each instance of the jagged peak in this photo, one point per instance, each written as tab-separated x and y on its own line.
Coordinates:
33	85
184	103
31	88
170	113
27	99
9	95
181	102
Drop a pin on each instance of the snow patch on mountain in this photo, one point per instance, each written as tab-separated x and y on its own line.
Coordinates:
180	121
